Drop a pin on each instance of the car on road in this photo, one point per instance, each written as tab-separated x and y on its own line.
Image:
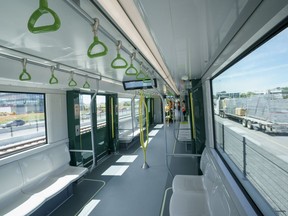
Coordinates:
17	122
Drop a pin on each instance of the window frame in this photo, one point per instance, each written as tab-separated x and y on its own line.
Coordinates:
245	186
14	152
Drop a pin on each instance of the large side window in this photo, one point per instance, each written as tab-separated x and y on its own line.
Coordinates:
22	121
101	110
125	118
85	121
251	122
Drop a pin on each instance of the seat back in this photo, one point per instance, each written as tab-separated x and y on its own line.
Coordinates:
11	180
59	156
35	168
221	203
204	160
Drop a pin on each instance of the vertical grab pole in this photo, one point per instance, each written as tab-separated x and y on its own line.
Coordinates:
91	120
133	113
165	129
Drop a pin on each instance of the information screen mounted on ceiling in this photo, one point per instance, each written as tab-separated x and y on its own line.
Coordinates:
139	84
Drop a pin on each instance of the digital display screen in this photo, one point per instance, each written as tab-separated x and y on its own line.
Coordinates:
139	84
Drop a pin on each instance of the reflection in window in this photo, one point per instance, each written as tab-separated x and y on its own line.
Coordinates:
22	121
251	120
85	122
101	110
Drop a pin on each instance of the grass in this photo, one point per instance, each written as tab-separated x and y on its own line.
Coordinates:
25	117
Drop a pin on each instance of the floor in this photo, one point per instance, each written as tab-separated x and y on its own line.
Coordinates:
132	190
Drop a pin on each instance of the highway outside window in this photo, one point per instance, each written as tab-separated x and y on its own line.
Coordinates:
85	121
22	121
251	121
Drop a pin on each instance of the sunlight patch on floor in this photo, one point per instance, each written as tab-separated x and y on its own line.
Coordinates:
115	170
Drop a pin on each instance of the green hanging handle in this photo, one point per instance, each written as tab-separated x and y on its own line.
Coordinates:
72	82
131	70
53	79
86	84
43	9
24	76
118	59
96	42
141	75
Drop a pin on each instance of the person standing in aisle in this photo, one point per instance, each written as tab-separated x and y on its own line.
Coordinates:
183	109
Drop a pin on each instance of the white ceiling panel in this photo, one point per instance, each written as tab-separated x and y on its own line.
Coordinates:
68	45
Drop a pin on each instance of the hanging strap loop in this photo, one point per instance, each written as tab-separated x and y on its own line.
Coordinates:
131	70
72	82
24	76
53	79
96	42
119	62
86	84
141	75
43	9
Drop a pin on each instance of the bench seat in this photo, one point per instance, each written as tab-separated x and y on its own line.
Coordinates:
31	181
201	195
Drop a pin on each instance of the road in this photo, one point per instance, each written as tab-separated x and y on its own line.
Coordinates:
273	143
266	157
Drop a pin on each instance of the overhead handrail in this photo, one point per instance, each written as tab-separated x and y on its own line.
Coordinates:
72	82
53	79
96	42
119	62
131	70
24	76
43	9
86	84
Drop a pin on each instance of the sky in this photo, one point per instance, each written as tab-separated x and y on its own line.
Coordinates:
265	68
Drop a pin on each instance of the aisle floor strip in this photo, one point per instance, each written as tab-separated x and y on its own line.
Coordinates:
159	126
153	132
127	159
89	207
115	170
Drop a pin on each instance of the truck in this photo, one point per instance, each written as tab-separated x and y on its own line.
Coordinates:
263	112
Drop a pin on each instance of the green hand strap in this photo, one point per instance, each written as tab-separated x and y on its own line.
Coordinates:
96	42
43	9
53	79
119	62
72	82
131	70
86	84
24	76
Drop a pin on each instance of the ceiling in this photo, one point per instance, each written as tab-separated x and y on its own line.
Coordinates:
178	39
192	31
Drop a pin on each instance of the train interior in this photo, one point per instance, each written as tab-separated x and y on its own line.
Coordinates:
133	107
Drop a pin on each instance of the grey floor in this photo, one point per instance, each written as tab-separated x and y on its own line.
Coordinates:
138	191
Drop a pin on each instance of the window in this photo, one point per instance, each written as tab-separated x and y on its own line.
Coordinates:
101	110
125	119
85	120
22	121
251	121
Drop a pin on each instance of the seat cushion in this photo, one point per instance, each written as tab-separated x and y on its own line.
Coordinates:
188	183
185	203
